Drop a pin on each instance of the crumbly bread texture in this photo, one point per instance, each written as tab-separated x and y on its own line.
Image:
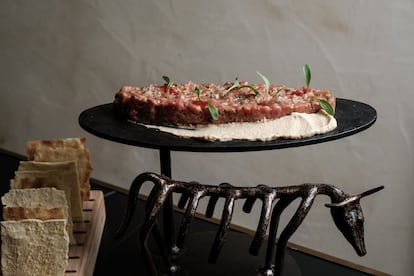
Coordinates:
34	247
40	203
42	213
61	175
64	150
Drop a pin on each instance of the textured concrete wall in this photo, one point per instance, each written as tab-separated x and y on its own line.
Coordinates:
60	57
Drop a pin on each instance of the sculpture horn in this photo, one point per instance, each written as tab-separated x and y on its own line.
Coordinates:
354	198
369	192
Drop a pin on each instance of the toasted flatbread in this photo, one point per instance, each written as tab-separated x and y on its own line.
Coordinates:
64	150
62	179
34	247
40	203
55	167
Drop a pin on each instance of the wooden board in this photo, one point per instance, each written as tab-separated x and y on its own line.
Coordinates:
88	234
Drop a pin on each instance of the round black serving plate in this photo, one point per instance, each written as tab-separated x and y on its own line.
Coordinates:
352	117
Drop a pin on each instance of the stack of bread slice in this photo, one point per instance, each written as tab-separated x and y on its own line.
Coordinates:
45	199
34	232
64	150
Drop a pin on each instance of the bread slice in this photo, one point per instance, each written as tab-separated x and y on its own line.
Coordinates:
61	175
41	203
64	150
33	247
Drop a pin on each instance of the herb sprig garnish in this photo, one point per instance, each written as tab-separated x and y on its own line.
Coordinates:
213	111
236	85
307	74
266	82
211	108
197	92
325	105
168	82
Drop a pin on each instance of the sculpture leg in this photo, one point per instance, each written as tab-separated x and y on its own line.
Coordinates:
159	239
150	226
274	224
133	199
262	225
291	227
188	216
222	230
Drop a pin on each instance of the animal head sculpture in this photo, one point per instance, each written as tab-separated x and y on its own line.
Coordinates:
349	219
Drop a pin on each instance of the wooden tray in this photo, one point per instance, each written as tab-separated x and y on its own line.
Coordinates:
88	234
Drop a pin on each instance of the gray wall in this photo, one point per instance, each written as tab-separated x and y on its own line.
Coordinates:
60	57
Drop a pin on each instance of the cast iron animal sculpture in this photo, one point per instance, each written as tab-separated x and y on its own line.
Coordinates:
345	209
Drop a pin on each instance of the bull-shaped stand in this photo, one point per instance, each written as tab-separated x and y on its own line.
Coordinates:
345	209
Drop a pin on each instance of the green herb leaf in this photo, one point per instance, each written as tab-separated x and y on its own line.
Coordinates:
327	107
168	82
213	111
324	104
307	74
251	88
197	92
279	89
235	85
266	81
166	79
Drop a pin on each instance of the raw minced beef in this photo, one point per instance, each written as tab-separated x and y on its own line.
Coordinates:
191	104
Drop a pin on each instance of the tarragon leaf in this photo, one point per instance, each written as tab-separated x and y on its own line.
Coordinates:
307	74
235	85
166	79
256	92
197	92
326	106
168	82
213	111
266	81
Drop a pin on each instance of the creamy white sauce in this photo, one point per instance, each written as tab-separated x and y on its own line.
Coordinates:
294	126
